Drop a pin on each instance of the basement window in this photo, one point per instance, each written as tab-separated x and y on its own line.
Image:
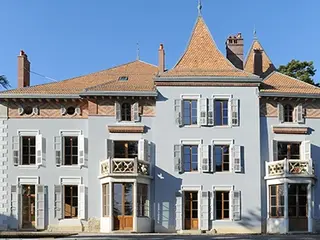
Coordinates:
123	78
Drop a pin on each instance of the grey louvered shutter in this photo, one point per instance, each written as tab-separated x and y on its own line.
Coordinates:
210	112
118	111
39	149
58	201
213	204
178	161
236	205
280	112
235	111
40	206
299	113
213	160
109	149
237	166
82	202
178	112
15	204
204	210
205	162
275	150
81	154
58	150
306	153
136	116
203	111
179	214
16	150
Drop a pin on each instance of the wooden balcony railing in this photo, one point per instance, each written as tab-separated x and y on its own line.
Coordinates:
118	166
289	167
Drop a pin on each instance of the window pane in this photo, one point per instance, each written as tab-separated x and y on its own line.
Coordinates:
273	201
302	211
194	213
219	214
217	112
292	211
226	213
273	211
280	211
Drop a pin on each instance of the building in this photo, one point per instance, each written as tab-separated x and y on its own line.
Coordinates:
216	143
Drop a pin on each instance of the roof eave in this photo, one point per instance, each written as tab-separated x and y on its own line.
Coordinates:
70	96
295	95
121	93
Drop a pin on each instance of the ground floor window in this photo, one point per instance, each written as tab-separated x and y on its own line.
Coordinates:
28	206
222	205
70	201
105	199
143	201
276	200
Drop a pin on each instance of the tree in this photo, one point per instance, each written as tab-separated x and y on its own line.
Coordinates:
4	82
303	71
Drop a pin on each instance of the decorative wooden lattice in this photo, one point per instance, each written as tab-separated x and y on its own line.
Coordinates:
298	167
104	167
122	166
289	167
276	168
143	168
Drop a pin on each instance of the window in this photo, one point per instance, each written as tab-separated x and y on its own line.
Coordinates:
126	112
276	201
70	201
221	112
221	156
105	199
71	110
222	205
288	150
190	112
28	150
123	78
298	200
190	158
288	113
70	150
28	110
142	198
125	149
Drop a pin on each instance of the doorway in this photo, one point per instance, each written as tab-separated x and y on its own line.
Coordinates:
191	210
28	206
122	206
298	207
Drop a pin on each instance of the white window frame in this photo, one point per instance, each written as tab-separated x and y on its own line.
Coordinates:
216	188
27	133
191	97
197	142
28	180
229	142
68	133
223	97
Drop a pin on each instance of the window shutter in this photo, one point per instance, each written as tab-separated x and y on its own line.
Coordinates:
235	111
118	111
280	112
203	111
178	112
178	162
141	149
299	114
15	203
82	201
35	110
237	158
149	151
109	148
213	204
213	160
275	150
205	163
81	150
204	214
179	207
58	150
136	112
39	149
63	110
20	110
210	112
16	150
58	201
146	150
306	150
40	206
236	205
78	111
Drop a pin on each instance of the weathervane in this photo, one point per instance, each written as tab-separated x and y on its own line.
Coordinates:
199	7
254	32
138	51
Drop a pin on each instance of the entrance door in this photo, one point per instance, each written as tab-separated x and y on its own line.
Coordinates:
298	207
28	206
123	206
191	210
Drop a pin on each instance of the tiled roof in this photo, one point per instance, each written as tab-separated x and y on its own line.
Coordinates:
140	78
279	83
267	65
203	58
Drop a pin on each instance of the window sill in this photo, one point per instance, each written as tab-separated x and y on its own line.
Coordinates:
222	126
222	220
71	167
191	126
28	166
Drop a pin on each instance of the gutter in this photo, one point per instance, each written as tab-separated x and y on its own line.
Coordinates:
296	95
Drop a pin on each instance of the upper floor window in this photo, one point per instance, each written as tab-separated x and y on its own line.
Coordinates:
190	158
221	112
125	149
70	150
222	158
123	111
126	112
288	150
288	113
190	112
28	150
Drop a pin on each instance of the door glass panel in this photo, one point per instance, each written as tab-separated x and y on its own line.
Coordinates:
128	198
117	199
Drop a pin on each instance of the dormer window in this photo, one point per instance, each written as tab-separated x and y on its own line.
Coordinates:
123	78
288	113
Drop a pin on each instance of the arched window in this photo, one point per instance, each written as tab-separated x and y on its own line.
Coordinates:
288	111
126	112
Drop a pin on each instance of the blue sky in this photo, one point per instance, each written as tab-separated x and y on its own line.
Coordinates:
65	39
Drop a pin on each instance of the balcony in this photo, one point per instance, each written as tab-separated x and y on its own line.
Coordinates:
124	167
290	168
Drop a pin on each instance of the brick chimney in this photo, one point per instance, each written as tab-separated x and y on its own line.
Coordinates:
23	70
234	46
161	65
257	62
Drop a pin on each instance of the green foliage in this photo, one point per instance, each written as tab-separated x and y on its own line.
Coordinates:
4	82
303	71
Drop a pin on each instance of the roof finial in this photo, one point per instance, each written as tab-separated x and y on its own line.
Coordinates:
199	7
254	32
138	51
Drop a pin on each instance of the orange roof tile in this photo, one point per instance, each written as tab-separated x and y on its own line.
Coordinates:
267	65
140	78
279	83
203	58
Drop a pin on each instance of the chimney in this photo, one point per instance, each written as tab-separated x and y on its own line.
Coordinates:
23	70
257	62
234	46
161	65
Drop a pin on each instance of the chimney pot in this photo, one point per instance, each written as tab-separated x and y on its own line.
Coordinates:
23	70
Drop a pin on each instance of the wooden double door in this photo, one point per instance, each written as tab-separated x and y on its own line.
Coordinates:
28	206
191	210
122	206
